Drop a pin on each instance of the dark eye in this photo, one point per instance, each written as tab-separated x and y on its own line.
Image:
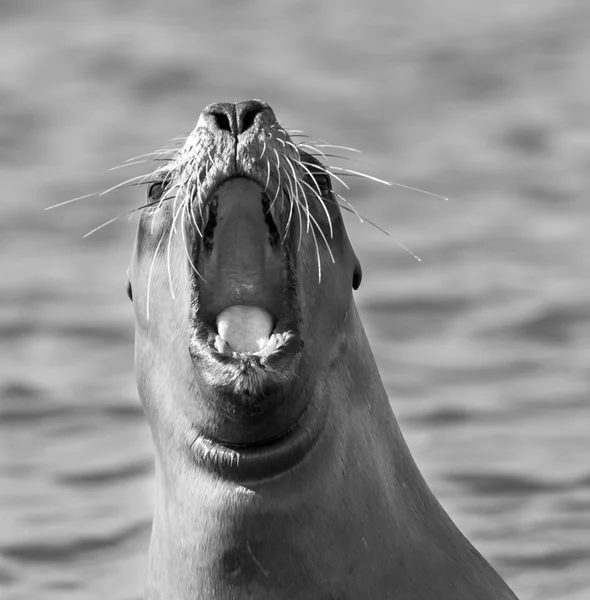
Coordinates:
156	190
324	183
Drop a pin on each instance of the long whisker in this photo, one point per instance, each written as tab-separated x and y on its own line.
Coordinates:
159	152
185	245
120	216
127	164
149	283
327	172
267	175
302	145
279	180
388	183
337	147
318	194
363	219
172	230
296	181
140	179
321	200
84	197
294	195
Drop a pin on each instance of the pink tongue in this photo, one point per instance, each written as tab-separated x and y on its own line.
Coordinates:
245	328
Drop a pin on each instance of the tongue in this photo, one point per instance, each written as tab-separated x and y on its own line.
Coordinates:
245	328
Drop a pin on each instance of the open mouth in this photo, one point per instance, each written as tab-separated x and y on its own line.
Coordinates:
245	272
246	309
243	266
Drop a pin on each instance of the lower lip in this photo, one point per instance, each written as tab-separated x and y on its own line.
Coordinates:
255	464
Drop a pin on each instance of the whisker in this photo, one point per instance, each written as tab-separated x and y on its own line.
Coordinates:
338	156
127	164
321	200
279	180
172	230
294	195
289	143
317	192
84	197
288	226
124	214
406	249
325	170
388	183
182	229
149	283
104	225
296	181
267	175
302	145
351	207
337	147
363	219
140	179
317	251
154	153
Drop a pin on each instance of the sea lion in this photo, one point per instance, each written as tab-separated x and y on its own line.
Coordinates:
281	471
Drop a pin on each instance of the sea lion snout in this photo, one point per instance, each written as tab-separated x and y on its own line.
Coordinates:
233	118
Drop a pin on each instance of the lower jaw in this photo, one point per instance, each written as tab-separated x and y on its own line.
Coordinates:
259	462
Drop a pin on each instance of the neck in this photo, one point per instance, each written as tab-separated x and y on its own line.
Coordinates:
355	513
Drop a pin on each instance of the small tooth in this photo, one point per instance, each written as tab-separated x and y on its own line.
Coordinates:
222	346
272	345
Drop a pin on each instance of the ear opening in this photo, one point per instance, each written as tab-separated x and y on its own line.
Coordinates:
357	276
128	287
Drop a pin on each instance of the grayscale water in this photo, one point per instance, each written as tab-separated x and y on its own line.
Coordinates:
484	345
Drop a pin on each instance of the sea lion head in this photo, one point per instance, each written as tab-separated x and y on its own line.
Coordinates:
241	279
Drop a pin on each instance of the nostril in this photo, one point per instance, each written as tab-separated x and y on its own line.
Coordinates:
218	117
247	112
222	121
248	118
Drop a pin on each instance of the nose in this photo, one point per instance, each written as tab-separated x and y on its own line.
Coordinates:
233	118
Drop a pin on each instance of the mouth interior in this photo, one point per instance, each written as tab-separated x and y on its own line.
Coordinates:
241	260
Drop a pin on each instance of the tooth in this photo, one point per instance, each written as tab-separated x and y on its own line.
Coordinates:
271	346
222	346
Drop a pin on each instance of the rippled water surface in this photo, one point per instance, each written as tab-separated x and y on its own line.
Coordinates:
484	345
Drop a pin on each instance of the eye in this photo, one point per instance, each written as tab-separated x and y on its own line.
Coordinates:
156	190
324	183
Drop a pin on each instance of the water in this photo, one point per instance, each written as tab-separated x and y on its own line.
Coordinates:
483	346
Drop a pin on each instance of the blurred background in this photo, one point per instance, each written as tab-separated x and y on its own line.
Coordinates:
484	345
